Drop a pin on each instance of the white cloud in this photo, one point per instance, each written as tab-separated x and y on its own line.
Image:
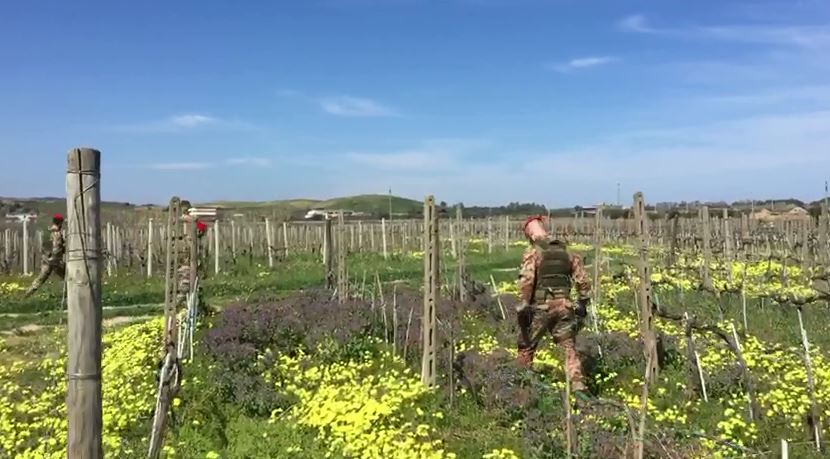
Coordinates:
249	161
191	120
183	123
635	23
584	62
809	36
181	166
799	35
355	106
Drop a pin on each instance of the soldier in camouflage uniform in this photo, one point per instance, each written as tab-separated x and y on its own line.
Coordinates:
547	273
51	261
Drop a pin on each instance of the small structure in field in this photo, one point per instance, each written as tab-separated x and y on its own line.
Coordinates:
21	217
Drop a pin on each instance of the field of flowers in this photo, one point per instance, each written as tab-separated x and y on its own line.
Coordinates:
303	376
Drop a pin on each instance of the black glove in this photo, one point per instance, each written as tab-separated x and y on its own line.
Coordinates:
582	308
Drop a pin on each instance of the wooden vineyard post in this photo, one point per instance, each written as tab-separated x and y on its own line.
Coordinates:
803	232
269	242
383	236
489	235
644	297
285	238
168	378
597	261
506	232
108	242
342	282
83	283
754	408
216	247
808	366
26	246
233	240
7	247
150	248
453	242
431	262
727	241
328	259
707	248
460	243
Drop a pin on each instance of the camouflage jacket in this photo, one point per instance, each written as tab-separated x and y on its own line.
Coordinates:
56	246
528	270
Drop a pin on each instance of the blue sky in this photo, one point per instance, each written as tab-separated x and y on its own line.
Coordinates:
480	101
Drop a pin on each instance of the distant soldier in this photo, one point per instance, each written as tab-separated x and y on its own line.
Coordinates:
547	273
51	260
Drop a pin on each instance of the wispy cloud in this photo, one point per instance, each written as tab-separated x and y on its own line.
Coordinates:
180	166
584	62
184	122
635	23
800	35
249	161
191	120
355	107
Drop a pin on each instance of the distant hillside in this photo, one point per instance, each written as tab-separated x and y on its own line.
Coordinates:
50	206
375	205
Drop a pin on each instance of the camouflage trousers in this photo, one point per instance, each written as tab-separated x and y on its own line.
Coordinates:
47	268
556	317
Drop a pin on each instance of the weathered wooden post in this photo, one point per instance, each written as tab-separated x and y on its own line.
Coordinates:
83	283
489	235
644	297
216	246
168	378
460	246
727	239
233	240
285	238
597	261
150	248
811	386
328	258
342	282
431	262
7	247
270	243
26	246
707	248
506	232
383	230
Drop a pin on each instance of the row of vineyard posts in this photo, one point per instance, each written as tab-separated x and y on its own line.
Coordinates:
95	248
131	243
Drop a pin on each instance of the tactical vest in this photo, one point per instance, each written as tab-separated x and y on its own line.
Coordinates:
553	276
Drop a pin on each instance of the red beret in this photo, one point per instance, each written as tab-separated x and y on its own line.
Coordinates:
57	217
532	218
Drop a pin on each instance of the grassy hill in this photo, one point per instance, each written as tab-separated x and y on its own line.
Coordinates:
371	204
49	206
